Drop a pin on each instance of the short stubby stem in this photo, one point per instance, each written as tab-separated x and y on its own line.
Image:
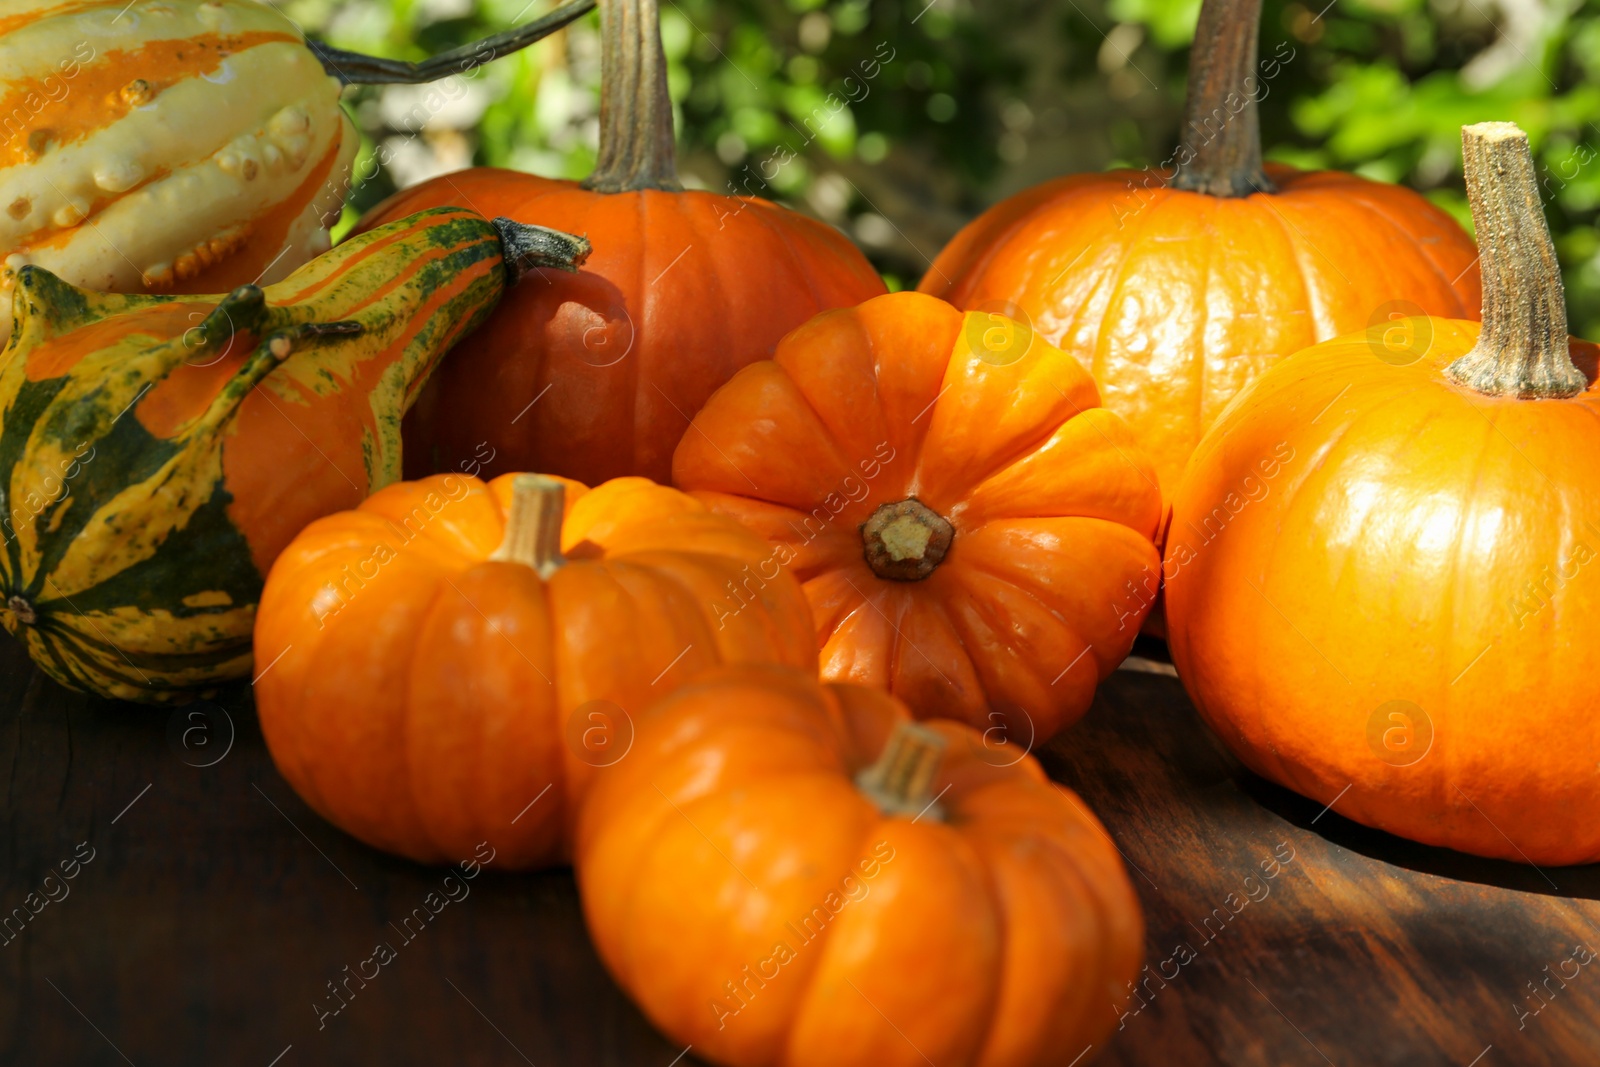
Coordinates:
1522	350
23	610
533	529
526	248
901	781
906	540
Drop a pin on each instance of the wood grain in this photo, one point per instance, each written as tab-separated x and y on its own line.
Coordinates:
216	908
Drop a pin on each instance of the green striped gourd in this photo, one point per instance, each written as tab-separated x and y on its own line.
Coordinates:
157	453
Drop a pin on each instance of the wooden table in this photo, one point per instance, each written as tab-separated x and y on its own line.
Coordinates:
208	909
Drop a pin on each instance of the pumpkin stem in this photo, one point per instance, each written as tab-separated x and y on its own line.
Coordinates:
906	540
636	133
901	781
526	248
1522	350
1220	151
533	530
354	68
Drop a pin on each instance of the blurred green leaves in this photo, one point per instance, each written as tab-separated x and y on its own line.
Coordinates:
899	119
1386	85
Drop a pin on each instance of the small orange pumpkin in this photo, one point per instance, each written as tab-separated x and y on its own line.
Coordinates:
1377	571
448	663
596	376
1179	285
859	891
966	518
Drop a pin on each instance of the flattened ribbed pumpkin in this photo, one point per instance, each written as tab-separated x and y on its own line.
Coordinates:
157	453
166	144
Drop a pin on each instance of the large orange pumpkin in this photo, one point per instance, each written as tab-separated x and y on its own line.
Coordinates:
1178	285
1378	583
450	662
596	376
966	518
787	874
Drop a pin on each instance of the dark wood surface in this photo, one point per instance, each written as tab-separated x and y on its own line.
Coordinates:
216	908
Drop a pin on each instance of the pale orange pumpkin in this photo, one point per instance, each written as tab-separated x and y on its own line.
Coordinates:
788	874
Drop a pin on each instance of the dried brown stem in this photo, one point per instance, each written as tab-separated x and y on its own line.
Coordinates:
636	133
1221	146
1522	351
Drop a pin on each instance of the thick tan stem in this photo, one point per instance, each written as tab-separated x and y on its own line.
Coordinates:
901	781
636	135
533	530
906	540
1220	147
1522	351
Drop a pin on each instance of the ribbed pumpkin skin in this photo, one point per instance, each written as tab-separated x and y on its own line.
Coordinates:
998	934
1176	300
166	145
1052	504
156	454
1417	542
424	696
682	290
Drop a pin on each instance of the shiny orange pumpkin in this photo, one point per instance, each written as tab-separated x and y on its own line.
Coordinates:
449	663
969	523
858	891
1378	571
1179	285
597	375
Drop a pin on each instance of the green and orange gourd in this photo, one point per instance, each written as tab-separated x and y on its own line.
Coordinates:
156	453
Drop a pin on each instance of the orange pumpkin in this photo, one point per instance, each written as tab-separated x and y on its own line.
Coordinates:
1179	285
1377	581
596	376
448	663
859	891
966	518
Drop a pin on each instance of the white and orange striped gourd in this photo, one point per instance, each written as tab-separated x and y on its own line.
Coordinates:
164	145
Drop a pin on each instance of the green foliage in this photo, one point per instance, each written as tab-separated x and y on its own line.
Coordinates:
1383	88
899	119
